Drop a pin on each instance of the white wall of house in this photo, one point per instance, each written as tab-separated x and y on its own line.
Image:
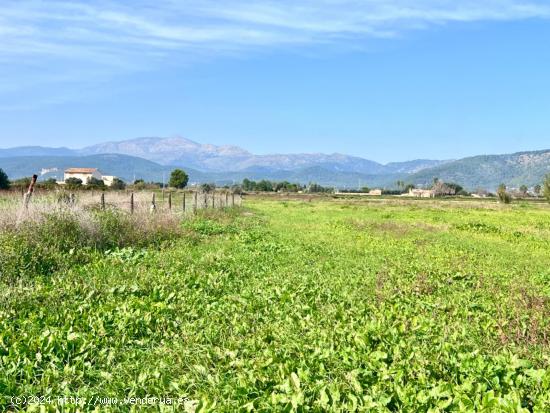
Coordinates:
108	179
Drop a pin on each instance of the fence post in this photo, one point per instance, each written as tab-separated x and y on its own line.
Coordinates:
226	199
103	201
183	202
132	203
170	200
194	202
233	199
213	200
27	196
153	204
205	195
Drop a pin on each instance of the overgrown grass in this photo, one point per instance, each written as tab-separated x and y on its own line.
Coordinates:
300	306
57	239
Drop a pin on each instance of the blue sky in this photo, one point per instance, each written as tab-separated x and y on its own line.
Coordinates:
383	79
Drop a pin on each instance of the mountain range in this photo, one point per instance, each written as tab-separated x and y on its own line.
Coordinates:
153	159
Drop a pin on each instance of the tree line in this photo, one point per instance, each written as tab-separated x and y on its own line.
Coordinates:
179	180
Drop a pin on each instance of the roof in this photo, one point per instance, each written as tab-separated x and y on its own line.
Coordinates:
80	170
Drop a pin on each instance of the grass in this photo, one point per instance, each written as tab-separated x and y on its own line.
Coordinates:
328	305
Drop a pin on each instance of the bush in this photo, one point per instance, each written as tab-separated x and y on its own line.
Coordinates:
4	182
502	195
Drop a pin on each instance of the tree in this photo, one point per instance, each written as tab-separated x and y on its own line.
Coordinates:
440	188
546	187
265	186
502	195
94	183
206	188
523	189
4	181
73	183
118	184
178	179
537	189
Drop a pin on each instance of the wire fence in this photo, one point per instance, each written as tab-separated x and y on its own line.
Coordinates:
17	208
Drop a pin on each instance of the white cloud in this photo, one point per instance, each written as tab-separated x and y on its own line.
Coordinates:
123	36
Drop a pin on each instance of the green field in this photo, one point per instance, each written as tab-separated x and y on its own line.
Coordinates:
290	305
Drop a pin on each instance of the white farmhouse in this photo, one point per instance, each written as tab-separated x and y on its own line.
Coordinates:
82	173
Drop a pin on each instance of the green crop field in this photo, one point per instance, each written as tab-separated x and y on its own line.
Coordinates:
294	305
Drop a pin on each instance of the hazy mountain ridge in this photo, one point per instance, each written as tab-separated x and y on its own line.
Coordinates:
230	164
488	171
184	152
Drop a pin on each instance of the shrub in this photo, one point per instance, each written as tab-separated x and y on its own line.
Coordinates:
502	195
4	182
118	184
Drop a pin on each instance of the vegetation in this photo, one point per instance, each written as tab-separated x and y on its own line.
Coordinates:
270	186
73	183
207	188
118	184
178	179
314	188
94	183
283	306
4	182
546	187
503	195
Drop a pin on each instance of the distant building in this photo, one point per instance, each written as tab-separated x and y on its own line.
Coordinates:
108	179
420	193
84	174
375	192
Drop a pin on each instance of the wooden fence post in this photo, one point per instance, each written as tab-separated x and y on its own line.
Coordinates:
213	200
103	201
27	196
233	199
153	204
226	199
205	195
132	203
194	202
170	200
